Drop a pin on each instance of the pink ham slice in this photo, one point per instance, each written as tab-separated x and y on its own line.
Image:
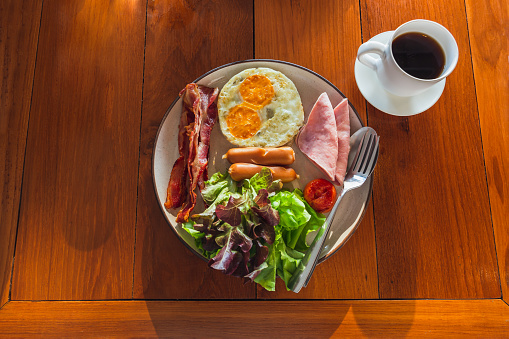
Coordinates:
318	138
342	115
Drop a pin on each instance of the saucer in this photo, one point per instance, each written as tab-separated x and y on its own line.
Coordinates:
376	95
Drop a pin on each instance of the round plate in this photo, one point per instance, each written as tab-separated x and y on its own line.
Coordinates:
376	95
310	85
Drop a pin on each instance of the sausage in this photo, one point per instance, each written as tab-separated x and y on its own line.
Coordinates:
241	171
261	156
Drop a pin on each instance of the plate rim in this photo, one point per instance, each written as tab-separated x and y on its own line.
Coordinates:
162	208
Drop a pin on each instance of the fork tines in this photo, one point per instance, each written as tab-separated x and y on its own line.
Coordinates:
368	153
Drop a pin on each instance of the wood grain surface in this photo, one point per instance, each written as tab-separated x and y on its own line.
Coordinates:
489	43
433	227
84	87
78	206
304	38
18	46
184	40
257	319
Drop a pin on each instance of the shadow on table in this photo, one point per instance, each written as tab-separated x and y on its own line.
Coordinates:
376	318
85	235
281	319
249	318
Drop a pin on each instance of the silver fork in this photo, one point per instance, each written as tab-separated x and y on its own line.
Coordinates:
362	166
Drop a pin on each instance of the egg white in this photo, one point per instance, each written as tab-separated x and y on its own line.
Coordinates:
281	119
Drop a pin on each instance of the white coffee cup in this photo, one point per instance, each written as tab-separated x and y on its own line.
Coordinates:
392	77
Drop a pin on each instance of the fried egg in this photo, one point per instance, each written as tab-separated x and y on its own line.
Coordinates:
260	107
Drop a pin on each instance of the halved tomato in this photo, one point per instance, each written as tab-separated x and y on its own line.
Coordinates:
320	195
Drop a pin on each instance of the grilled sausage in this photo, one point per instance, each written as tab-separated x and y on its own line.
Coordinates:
240	171
261	156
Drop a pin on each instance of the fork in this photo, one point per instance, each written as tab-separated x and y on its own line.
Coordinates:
362	166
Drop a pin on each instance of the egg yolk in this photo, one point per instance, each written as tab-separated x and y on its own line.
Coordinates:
243	121
257	90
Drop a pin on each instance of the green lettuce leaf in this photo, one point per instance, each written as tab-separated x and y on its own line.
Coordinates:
297	219
289	260
316	220
267	275
214	186
282	261
292	210
262	180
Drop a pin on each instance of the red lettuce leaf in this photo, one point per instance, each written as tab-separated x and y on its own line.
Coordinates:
242	268
231	213
261	255
226	261
209	243
262	199
224	235
264	209
229	257
264	231
258	261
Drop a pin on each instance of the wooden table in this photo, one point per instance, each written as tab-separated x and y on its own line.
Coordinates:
85	249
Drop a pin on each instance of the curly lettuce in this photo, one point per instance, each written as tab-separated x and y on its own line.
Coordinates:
253	229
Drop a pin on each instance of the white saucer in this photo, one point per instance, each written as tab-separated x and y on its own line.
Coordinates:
376	95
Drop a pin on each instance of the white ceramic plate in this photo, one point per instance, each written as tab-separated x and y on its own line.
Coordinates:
310	85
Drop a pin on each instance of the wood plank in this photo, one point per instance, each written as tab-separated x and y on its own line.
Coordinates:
78	206
19	31
433	226
487	23
184	40
258	319
309	27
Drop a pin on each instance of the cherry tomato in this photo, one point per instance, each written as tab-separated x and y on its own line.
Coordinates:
320	195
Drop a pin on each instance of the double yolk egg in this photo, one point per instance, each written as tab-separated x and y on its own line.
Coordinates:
260	107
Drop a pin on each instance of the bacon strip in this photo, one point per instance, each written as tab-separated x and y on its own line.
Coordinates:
204	145
177	187
190	169
207	120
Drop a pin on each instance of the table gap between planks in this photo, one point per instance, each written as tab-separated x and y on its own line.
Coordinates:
85	85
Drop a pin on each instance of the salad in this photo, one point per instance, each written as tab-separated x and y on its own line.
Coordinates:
253	228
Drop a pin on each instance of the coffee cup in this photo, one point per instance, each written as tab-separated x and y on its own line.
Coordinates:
419	54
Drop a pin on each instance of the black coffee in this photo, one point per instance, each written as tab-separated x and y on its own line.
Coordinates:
419	55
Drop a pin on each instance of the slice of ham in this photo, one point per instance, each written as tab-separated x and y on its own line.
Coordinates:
325	139
342	115
318	138
199	114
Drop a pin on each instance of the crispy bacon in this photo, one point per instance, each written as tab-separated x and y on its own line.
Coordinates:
176	193
202	154
199	114
177	187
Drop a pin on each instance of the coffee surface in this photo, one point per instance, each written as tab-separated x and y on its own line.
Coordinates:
419	55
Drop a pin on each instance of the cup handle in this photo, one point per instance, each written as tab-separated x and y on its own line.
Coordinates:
370	47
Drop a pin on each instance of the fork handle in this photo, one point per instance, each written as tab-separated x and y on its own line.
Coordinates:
307	265
328	221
